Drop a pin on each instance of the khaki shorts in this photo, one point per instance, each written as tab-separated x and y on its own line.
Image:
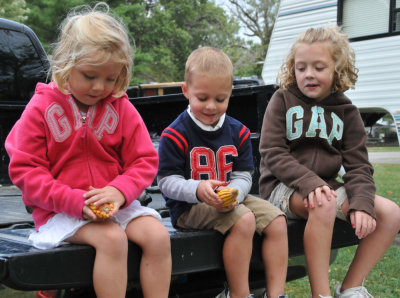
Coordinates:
281	194
203	216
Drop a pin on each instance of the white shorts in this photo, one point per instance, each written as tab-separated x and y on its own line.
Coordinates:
281	194
61	226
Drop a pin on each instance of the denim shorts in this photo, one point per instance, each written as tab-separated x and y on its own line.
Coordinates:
203	216
281	194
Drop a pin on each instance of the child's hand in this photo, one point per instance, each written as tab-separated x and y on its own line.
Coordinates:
205	192
100	196
363	223
226	208
87	213
318	195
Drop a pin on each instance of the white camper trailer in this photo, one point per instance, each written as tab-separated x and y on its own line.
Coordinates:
373	27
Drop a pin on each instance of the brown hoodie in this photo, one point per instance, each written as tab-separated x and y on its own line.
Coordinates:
304	143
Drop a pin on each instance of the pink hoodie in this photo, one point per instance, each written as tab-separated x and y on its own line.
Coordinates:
56	154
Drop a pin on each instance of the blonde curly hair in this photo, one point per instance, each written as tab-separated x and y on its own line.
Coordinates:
345	73
92	35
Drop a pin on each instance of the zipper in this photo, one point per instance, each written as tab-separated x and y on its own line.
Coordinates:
84	119
84	126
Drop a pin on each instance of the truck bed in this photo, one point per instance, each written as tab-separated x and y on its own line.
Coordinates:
194	253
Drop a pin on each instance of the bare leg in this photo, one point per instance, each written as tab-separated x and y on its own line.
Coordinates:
373	247
317	241
155	267
110	265
237	251
275	256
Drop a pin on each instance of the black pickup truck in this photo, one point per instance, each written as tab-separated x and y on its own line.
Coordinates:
197	263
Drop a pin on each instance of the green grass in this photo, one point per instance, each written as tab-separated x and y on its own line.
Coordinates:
384	279
387	181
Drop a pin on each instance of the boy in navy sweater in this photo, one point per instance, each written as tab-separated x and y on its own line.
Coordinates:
205	149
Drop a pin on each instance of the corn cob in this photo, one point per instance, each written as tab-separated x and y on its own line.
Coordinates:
103	211
228	195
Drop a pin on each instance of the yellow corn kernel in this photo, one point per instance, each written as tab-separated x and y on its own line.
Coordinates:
228	195
104	211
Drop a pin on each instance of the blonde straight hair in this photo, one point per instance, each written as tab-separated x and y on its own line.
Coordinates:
209	61
92	36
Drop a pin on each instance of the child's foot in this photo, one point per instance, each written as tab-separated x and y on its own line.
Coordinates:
280	296
225	294
356	292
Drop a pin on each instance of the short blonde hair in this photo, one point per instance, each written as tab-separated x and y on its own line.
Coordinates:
345	73
209	61
92	35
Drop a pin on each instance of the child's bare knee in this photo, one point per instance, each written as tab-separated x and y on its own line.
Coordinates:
156	241
388	214
162	240
248	219
326	212
113	241
246	224
277	227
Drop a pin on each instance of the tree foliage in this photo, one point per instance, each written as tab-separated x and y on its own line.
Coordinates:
45	17
15	10
257	17
165	32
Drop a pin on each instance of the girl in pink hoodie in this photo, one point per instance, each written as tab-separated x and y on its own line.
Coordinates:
80	142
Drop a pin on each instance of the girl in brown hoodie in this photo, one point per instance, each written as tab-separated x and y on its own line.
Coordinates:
310	130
